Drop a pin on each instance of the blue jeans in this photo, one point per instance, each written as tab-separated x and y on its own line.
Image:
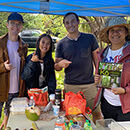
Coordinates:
7	104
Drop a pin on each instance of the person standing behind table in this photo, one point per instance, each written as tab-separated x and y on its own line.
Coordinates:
38	71
12	58
115	103
76	53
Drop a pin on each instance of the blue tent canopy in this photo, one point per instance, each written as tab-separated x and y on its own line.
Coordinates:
61	7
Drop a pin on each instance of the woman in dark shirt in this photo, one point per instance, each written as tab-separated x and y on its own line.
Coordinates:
38	71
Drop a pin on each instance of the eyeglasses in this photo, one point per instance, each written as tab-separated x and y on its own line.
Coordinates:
13	24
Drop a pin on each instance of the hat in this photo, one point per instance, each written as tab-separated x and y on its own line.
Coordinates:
15	16
113	22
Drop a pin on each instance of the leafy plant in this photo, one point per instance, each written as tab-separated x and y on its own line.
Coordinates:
59	77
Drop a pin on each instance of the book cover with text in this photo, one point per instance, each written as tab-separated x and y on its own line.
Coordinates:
110	74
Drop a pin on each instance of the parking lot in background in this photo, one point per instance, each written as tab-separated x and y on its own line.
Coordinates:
30	37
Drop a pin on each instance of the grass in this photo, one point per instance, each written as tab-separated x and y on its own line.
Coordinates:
2	116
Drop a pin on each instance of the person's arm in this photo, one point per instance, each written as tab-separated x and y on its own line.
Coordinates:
2	64
56	66
29	70
95	57
4	123
6	66
52	80
118	90
97	79
61	63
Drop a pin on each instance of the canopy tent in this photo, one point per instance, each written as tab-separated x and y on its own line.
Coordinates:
61	7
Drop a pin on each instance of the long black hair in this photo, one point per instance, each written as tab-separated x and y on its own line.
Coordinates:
49	52
48	61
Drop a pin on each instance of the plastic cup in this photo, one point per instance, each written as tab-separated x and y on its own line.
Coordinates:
52	98
56	110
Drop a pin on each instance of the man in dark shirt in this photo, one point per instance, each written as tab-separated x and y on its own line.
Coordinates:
76	53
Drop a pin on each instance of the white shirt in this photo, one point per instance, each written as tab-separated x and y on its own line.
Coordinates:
41	77
15	61
113	56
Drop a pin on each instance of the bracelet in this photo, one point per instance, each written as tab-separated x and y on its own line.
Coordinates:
125	90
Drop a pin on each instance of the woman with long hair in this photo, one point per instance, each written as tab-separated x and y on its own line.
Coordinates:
38	71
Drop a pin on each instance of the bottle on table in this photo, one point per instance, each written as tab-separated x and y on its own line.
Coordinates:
75	127
89	127
31	101
58	97
70	123
58	128
59	123
66	126
48	107
86	124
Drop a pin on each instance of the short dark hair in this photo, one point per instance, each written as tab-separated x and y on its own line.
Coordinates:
69	13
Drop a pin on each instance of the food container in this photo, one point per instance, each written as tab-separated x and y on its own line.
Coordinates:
108	124
18	105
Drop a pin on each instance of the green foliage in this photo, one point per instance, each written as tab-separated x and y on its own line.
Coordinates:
53	24
2	116
59	76
59	80
3	21
83	26
32	21
31	50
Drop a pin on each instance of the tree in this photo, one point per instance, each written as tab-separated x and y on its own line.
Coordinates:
96	24
3	20
54	25
33	21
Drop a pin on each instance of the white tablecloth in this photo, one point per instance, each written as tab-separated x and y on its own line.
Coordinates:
21	122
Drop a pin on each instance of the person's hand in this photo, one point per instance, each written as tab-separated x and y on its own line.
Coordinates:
97	78
35	58
64	63
8	65
118	90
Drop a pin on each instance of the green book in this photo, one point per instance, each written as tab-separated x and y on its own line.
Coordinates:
110	74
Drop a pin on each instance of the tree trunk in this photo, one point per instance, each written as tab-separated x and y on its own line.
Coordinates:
96	25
